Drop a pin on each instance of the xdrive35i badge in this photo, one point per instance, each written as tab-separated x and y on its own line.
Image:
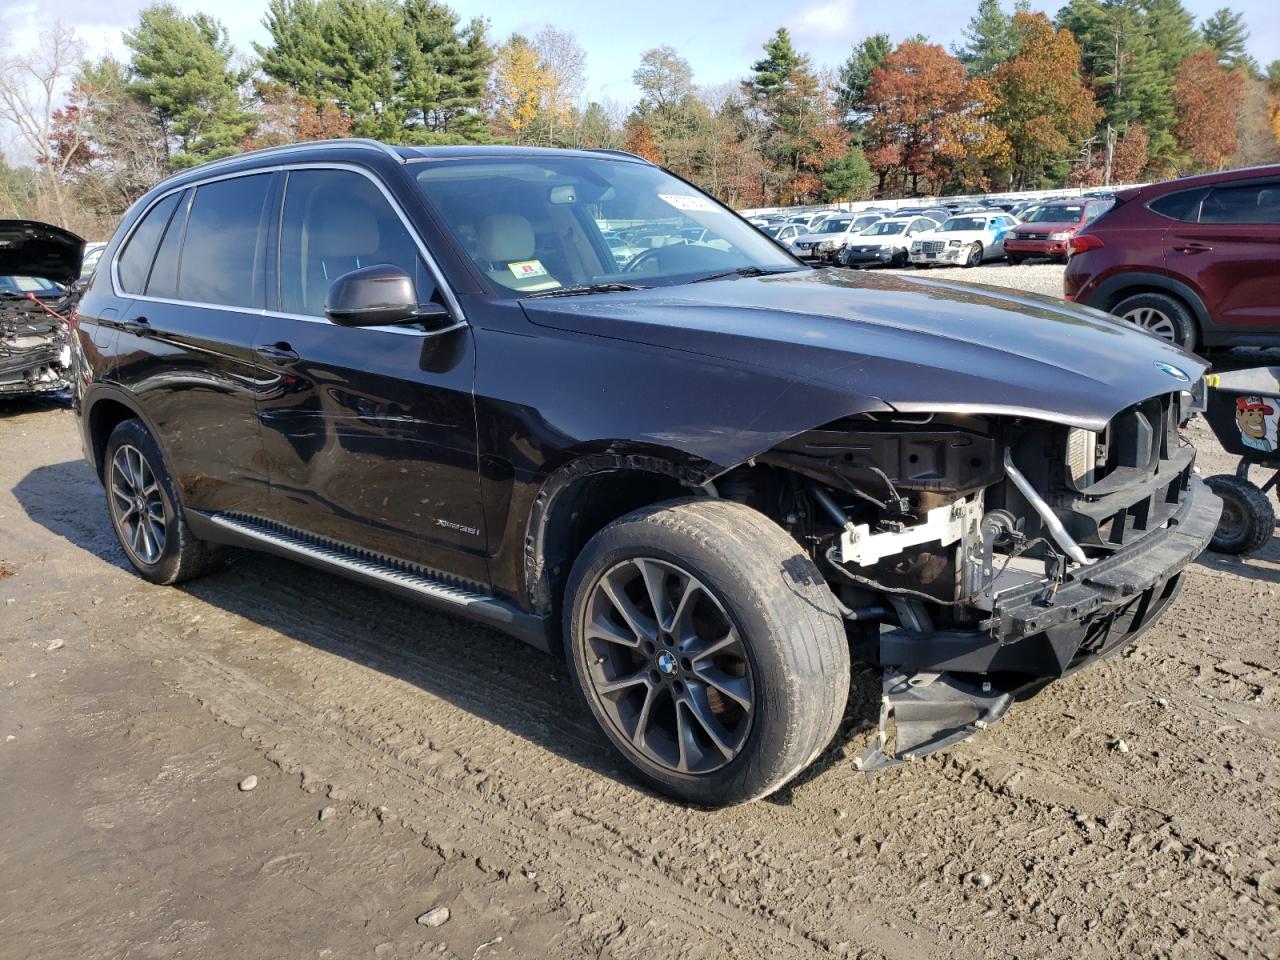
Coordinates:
1173	371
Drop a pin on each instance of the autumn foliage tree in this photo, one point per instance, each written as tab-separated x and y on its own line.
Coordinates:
1045	106
929	120
1207	97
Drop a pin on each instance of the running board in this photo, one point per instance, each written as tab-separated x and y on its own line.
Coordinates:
357	565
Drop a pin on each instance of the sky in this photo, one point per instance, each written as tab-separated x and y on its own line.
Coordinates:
720	39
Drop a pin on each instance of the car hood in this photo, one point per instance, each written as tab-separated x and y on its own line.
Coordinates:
964	236
29	248
916	345
884	240
818	237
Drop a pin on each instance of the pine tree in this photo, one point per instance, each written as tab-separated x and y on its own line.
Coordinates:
296	55
990	39
769	75
1120	55
444	71
1226	34
181	68
1173	31
855	77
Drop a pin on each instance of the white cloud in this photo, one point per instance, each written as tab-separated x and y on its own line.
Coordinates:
818	21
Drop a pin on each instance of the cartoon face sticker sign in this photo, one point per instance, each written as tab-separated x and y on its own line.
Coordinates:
1255	416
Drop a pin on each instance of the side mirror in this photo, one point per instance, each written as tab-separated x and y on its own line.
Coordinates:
377	296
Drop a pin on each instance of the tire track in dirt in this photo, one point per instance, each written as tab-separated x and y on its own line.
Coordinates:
476	817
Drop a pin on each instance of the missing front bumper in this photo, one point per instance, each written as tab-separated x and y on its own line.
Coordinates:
941	687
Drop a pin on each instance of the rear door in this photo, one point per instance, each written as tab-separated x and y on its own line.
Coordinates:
370	435
186	343
1232	255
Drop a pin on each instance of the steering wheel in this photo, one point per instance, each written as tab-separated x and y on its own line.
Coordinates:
634	263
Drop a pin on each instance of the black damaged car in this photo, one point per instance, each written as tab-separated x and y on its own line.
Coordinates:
39	264
706	474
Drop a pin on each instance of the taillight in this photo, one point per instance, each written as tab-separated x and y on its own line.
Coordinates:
1084	241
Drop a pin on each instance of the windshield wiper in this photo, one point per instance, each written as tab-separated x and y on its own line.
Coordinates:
743	272
584	289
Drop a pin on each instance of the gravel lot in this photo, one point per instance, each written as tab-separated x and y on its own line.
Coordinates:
406	761
1031	277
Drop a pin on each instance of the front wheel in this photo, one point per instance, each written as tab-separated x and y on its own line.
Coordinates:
975	256
708	649
1013	259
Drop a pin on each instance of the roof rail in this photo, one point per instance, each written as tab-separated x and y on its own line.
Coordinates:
619	153
362	142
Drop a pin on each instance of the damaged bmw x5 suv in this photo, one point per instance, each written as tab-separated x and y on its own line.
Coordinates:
707	474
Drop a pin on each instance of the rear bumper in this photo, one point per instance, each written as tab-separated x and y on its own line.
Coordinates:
1097	611
1036	248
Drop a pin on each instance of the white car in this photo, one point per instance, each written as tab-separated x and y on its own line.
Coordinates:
784	233
824	243
885	242
966	239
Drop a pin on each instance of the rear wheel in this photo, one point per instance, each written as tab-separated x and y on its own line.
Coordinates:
1161	315
146	513
708	648
1248	520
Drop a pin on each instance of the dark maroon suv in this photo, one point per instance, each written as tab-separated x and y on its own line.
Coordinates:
1196	261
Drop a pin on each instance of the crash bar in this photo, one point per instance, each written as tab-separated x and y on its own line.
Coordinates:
1050	518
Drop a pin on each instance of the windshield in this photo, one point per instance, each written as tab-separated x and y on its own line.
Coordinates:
535	224
21	286
834	226
957	224
885	227
1061	214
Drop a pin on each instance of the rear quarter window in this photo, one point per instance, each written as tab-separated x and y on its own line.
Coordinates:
1183	205
134	264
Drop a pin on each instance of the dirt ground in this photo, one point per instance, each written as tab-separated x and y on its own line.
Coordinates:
407	761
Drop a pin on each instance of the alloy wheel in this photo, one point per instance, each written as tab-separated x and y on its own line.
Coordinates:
137	507
1153	321
666	665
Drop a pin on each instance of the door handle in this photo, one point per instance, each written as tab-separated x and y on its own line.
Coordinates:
138	326
278	351
1193	248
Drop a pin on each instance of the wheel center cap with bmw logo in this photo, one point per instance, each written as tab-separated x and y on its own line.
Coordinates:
1173	371
666	663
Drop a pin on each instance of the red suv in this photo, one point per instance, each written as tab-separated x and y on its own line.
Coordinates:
1050	228
1196	261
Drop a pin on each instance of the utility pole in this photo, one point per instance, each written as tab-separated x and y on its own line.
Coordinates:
1108	152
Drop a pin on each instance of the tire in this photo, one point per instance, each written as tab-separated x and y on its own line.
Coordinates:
784	656
155	538
975	256
1013	259
899	260
1248	519
1162	315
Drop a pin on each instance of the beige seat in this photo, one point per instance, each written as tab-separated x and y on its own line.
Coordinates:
505	239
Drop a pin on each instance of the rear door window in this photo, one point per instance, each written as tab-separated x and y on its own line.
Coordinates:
223	253
1248	203
134	264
